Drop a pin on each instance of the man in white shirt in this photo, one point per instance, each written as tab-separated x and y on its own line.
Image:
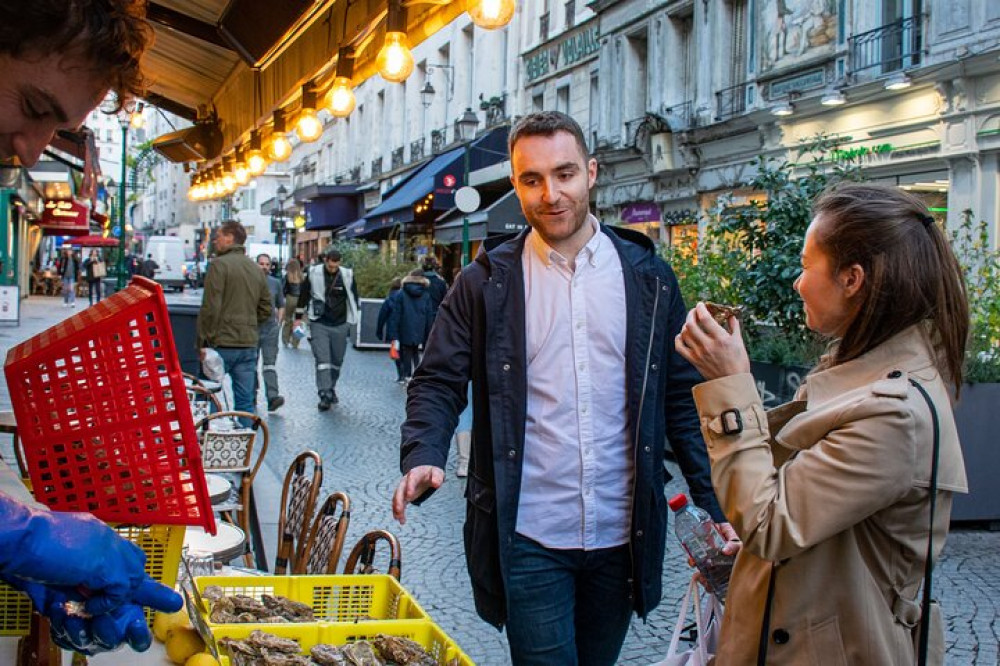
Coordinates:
566	332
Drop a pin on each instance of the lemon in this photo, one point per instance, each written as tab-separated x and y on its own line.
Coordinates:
182	643
164	623
201	659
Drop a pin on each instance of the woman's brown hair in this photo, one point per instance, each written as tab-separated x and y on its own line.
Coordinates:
911	273
293	271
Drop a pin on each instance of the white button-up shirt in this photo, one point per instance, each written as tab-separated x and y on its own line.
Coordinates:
577	471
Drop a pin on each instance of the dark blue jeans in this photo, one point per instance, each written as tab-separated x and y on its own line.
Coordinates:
567	607
241	366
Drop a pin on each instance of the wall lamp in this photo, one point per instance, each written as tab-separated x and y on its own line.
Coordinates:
898	81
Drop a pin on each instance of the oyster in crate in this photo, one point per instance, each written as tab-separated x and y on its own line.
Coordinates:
291	610
361	654
403	651
328	655
265	641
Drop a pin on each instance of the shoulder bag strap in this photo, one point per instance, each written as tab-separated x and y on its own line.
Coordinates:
925	606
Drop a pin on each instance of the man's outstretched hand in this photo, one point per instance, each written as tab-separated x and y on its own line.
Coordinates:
414	484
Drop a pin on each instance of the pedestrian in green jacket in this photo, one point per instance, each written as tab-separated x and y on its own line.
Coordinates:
235	302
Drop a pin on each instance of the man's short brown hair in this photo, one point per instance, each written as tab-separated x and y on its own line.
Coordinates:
546	123
107	36
234	229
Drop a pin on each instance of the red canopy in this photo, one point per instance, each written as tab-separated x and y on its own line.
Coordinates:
93	241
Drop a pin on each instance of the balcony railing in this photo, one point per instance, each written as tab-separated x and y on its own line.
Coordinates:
376	167
397	157
894	46
731	101
495	108
354	175
417	150
439	139
681	116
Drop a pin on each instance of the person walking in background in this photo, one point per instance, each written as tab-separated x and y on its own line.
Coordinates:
437	287
69	269
566	332
384	313
834	488
149	267
411	319
330	297
94	270
291	287
268	333
235	301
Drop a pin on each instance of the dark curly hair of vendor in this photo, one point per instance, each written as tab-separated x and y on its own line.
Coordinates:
107	36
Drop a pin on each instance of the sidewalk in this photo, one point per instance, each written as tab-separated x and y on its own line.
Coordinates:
359	442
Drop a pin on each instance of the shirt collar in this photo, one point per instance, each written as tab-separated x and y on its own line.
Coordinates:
589	251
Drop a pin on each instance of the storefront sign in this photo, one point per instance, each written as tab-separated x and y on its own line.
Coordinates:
809	80
640	213
860	152
568	51
66	218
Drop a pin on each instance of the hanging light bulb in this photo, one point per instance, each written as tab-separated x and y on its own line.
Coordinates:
278	148
240	171
136	119
395	61
228	180
308	126
341	100
256	164
491	14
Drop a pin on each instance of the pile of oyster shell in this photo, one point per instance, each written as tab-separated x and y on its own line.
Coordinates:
270	609
264	649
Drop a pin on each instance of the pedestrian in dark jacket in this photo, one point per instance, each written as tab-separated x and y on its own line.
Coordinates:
437	287
566	333
383	319
410	320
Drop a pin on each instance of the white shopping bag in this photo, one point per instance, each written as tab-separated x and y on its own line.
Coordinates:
212	365
707	617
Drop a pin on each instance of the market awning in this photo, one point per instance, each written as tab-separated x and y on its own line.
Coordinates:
245	58
92	240
333	211
398	207
352	230
503	216
65	218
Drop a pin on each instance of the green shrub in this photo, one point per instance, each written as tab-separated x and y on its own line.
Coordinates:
373	270
981	267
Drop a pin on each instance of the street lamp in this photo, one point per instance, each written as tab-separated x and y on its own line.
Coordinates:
280	227
466	126
125	121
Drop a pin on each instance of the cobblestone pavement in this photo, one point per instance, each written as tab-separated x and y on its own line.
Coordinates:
358	441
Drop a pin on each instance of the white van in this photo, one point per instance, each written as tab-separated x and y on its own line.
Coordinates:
168	253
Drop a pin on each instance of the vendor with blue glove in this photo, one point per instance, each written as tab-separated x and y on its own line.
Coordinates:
88	581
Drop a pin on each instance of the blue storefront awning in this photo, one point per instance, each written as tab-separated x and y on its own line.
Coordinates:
398	207
332	212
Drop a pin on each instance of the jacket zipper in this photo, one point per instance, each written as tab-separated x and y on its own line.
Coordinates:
638	422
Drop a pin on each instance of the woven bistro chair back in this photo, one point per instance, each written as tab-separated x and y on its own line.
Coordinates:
326	538
298	500
362	557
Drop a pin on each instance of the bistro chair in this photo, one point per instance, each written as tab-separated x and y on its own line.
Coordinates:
237	451
326	538
298	500
362	557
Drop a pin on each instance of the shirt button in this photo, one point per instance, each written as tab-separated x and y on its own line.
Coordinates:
511	453
648	449
653	367
506	367
780	636
895	374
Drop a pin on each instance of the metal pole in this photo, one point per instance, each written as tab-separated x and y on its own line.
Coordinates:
121	213
465	219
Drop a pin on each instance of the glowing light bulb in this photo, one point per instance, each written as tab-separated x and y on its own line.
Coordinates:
341	100
394	61
309	128
279	148
241	174
491	14
256	164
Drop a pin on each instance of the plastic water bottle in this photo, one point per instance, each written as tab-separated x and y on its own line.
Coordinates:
702	540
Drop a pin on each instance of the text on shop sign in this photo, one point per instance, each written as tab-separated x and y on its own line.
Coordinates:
564	53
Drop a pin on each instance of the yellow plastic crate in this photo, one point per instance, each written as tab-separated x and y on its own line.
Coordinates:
162	545
425	632
333	598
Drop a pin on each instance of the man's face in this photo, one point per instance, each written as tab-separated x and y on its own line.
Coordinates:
332	265
39	95
552	178
223	241
265	265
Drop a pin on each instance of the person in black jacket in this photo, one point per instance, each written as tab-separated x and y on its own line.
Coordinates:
410	320
566	332
437	287
384	313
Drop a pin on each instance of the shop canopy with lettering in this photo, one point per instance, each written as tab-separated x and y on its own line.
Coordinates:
502	216
65	218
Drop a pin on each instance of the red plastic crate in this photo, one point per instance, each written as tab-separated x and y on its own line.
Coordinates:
104	418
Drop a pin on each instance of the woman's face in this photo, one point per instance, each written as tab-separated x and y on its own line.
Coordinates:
830	298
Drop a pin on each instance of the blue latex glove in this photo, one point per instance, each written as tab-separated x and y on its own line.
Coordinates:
58	557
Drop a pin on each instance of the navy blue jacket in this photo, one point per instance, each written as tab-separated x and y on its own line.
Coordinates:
479	334
383	315
412	312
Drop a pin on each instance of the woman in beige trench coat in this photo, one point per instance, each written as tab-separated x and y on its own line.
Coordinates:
830	492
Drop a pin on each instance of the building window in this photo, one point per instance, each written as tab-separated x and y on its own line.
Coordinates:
570	14
543	27
538	102
562	99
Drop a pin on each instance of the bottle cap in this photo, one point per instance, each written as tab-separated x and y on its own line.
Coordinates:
677	502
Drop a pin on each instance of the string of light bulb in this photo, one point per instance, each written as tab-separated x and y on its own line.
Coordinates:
394	63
